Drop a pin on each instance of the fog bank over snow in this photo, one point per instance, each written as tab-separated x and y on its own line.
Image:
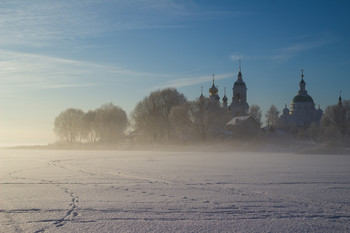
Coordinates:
173	191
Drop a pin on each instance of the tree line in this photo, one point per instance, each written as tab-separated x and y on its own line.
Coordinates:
166	115
105	124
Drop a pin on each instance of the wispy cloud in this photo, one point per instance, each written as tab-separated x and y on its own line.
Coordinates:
304	44
71	85
189	81
41	71
42	23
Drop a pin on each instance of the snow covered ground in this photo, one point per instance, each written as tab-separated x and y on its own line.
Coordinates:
157	191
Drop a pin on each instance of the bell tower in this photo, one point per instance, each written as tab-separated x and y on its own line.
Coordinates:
239	105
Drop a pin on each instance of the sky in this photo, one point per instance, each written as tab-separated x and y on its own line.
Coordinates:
63	54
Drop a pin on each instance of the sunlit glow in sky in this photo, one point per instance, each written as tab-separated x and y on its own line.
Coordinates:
82	54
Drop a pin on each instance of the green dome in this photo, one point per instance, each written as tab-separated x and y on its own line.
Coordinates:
302	98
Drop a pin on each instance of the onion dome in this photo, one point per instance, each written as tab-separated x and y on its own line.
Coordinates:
239	82
302	98
213	90
302	93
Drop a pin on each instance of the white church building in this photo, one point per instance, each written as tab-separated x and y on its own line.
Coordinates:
302	111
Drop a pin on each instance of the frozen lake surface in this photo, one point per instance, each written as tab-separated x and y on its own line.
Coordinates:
149	191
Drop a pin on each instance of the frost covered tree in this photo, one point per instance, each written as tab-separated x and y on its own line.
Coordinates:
196	119
151	115
255	112
68	125
90	126
335	121
272	117
110	122
192	119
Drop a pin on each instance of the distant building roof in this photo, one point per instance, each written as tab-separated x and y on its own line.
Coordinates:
238	120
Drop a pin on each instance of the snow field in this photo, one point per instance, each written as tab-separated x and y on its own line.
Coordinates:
158	191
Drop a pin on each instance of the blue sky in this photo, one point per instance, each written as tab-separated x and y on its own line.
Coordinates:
82	54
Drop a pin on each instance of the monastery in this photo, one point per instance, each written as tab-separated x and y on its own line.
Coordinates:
301	112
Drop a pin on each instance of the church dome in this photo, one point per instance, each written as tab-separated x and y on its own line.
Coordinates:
213	90
302	98
239	84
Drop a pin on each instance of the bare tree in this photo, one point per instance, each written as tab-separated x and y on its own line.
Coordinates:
151	115
68	125
335	121
255	112
272	117
111	122
90	126
191	119
313	131
196	118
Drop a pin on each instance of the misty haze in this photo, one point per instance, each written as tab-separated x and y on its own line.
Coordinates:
174	116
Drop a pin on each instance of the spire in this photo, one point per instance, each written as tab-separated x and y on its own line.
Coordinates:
213	90
302	85
340	100
239	72
224	99
201	98
302	76
239	65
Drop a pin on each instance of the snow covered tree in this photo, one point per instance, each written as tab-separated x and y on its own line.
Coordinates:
272	117
90	126
196	119
335	121
151	115
255	112
68	125
111	122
